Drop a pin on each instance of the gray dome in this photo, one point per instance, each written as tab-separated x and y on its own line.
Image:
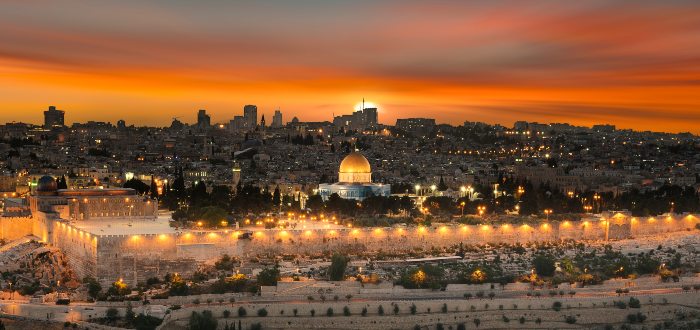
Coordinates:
46	184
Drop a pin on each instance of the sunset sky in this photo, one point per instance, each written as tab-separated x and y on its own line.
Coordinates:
635	64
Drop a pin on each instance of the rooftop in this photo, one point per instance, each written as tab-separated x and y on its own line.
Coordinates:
102	227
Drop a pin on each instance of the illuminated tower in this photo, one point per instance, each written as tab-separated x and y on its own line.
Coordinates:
236	171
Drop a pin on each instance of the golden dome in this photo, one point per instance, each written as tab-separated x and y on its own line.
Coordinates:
355	162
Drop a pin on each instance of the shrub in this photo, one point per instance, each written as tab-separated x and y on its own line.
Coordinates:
506	319
491	295
242	312
262	312
461	326
380	310
467	296
522	319
476	322
329	312
232	300
256	326
439	326
480	294
413	309
636	318
295	311
364	311
312	312
570	319
205	320
556	306
112	314
396	309
226	313
346	311
538	320
634	303
444	308
621	305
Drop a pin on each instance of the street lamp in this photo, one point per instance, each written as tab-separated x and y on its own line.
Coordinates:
547	212
417	189
482	210
462	206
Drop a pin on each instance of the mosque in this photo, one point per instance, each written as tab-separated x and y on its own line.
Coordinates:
354	180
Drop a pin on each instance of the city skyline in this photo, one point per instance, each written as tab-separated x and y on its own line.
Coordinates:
592	63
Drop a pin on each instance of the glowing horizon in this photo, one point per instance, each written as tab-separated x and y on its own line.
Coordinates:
634	65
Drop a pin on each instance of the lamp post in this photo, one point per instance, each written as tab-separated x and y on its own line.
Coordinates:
462	207
482	210
547	212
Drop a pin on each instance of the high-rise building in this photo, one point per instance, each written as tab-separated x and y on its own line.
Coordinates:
358	120
371	117
262	121
203	120
237	124
53	117
250	114
277	119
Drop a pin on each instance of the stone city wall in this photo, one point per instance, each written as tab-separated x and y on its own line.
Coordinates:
80	247
138	257
12	228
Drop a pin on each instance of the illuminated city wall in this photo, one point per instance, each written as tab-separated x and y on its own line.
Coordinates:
139	257
80	247
276	242
12	228
136	258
